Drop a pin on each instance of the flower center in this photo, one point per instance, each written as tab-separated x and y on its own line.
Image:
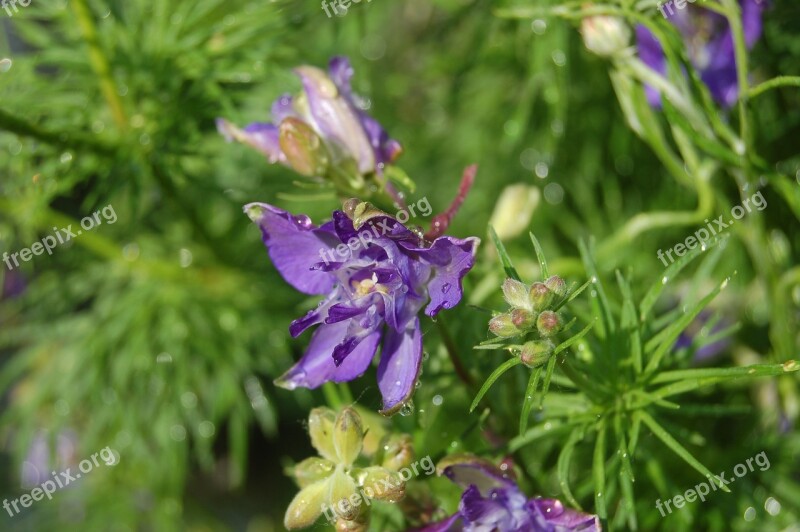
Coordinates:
368	286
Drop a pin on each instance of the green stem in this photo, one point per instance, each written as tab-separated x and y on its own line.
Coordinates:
70	139
780	81
100	63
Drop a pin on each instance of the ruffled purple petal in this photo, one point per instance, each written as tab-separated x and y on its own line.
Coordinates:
565	519
399	367
283	108
295	245
651	54
317	367
486	513
386	149
451	259
262	136
473	471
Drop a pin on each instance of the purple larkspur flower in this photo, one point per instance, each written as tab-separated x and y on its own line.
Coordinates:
383	274
709	43
492	501
325	112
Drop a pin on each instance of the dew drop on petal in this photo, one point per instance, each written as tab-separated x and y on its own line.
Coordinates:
445	288
407	409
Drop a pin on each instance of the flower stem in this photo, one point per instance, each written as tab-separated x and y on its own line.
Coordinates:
452	352
100	63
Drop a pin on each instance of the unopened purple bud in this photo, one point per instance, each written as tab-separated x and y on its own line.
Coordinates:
536	352
557	285
540	296
516	293
523	319
548	323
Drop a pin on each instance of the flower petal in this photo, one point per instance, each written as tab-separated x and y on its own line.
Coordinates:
445	525
261	136
295	245
565	518
451	259
469	470
317	366
399	367
483	512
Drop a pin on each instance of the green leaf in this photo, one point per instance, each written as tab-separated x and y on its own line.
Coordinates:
527	402
573	294
602	299
564	461
599	472
504	258
666	338
756	370
566	344
629	322
675	446
655	291
551	365
540	256
505	366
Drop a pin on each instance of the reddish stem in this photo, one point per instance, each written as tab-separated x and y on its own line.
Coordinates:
442	221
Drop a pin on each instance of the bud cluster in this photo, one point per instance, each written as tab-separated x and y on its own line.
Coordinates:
531	311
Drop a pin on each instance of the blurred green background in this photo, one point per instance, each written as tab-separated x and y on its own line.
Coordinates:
160	335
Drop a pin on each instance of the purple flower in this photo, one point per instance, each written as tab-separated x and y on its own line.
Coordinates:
493	501
322	127
710	350
376	275
709	43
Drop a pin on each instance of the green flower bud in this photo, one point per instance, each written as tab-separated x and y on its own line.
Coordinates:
348	436
311	470
342	488
320	428
557	285
303	148
605	35
380	483
536	353
548	323
523	319
540	296
398	452
306	506
516	293
503	326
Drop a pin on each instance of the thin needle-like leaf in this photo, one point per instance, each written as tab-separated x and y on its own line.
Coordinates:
505	366
540	256
504	258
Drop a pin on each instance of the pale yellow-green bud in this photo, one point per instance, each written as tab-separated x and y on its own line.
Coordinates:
311	470
320	428
306	506
348	436
516	293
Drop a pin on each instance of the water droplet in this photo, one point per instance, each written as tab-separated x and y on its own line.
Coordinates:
664	280
66	157
750	514
445	288
418	384
407	409
790	365
5	64
772	506
164	358
437	400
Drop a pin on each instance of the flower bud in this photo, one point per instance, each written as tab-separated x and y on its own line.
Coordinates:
306	506
523	319
503	326
557	285
311	470
379	483
342	488
540	296
303	148
513	210
320	428
516	293
398	452
548	323
605	35
536	353
348	436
